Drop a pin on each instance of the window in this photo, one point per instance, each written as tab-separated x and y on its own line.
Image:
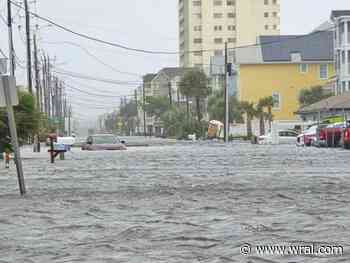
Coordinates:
231	40
197	28
266	27
341	33
230	3
198	15
343	57
324	71
303	68
218	15
266	14
276	100
217	2
217	28
275	14
274	2
343	86
266	2
349	62
349	32
197	3
218	53
197	40
198	53
218	40
231	28
231	15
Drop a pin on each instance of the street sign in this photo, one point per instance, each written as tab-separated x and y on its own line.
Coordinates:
3	65
10	83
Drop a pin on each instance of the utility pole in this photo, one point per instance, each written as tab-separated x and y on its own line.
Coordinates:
11	50
10	113
69	120
44	85
137	111
226	132
29	55
37	87
170	94
37	73
144	109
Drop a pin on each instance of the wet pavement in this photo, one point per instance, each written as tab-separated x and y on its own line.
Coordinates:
186	202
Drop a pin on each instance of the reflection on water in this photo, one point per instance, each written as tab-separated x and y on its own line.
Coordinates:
176	203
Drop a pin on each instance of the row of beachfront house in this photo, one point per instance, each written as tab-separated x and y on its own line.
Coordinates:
278	66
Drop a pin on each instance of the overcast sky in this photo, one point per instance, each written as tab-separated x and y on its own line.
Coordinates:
145	24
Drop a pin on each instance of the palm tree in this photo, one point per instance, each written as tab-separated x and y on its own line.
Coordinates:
266	102
250	112
195	84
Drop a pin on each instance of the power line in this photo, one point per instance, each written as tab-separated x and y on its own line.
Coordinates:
94	38
87	77
64	28
95	94
94	57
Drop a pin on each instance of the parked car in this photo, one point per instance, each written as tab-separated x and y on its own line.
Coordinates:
345	137
308	137
329	135
101	142
284	137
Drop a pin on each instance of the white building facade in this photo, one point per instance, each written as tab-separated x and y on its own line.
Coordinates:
341	19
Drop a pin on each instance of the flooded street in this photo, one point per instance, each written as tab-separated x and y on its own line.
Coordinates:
188	202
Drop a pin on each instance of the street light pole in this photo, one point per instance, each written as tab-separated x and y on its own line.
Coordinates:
226	132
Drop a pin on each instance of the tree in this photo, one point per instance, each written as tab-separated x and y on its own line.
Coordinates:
157	105
250	112
216	108
311	96
263	103
26	115
173	121
195	84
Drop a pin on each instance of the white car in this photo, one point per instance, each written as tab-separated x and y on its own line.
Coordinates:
284	137
308	137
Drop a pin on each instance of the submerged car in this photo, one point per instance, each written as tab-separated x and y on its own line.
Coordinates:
329	135
101	142
308	137
284	137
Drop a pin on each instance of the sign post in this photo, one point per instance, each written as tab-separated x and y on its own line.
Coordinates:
8	90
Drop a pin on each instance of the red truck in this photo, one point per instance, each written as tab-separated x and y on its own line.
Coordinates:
330	135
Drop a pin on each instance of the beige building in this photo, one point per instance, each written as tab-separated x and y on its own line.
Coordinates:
208	24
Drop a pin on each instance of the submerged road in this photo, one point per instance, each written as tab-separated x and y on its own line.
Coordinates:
189	202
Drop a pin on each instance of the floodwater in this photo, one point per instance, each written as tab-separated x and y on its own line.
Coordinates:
193	202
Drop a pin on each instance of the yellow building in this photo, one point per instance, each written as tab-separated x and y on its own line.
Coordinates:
208	24
282	66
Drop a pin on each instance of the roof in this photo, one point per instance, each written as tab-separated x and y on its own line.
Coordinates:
173	72
314	47
339	102
325	26
149	77
339	13
317	46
